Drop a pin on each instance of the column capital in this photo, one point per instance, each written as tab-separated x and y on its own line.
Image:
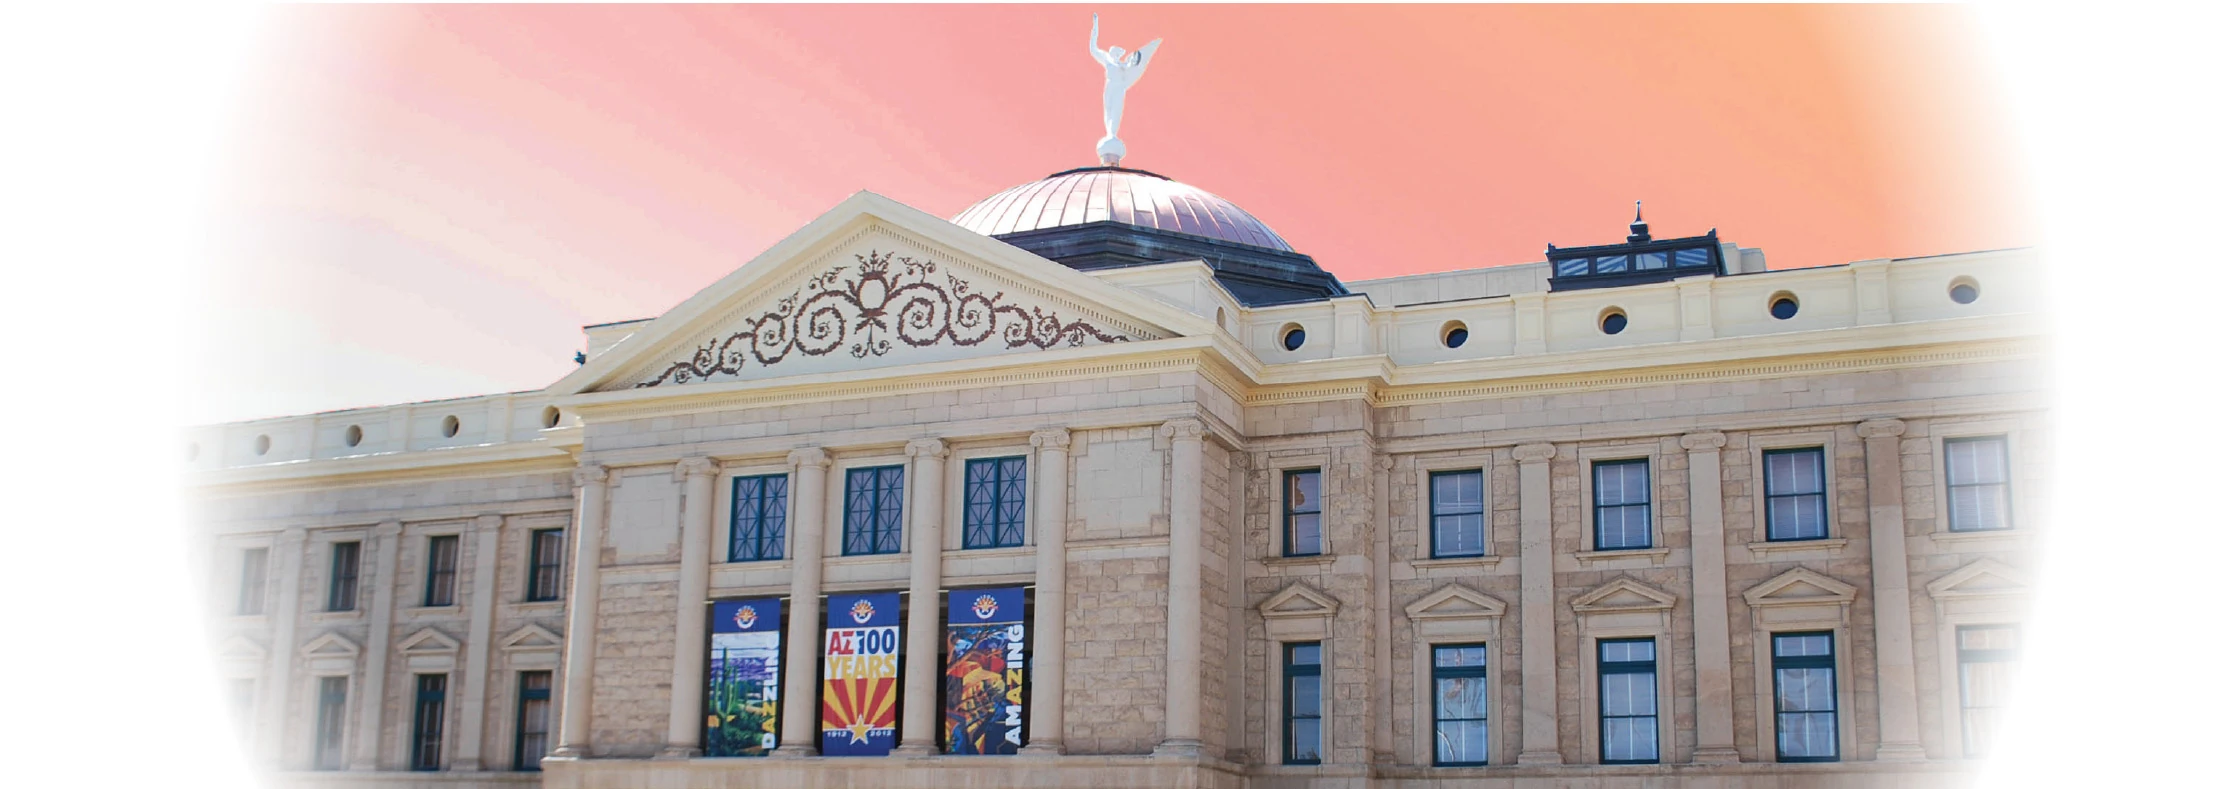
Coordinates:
1704	441
1380	463
812	457
387	528
487	521
293	534
1881	428
926	447
1184	430
1055	438
696	466
590	474
1534	453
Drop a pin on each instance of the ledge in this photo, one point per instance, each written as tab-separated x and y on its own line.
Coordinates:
2001	535
1829	546
1487	562
1654	556
1316	560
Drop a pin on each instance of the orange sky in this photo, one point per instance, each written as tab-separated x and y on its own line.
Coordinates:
429	202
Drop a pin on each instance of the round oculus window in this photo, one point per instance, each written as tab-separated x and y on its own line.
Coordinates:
1784	307
1614	323
1293	338
1964	293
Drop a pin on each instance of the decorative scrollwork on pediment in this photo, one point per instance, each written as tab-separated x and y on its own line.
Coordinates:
859	312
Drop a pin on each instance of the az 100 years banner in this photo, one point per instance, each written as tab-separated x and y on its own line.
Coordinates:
858	692
985	644
743	685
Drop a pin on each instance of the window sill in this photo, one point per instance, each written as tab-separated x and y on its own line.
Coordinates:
433	610
324	617
1652	555
1487	562
1953	537
1316	560
1827	546
536	606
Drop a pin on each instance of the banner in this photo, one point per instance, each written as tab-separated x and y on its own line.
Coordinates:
743	684
858	692
985	646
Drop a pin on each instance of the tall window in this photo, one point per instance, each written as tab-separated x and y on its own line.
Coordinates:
1629	723
1302	703
347	561
1459	705
432	706
1986	657
996	502
1807	697
254	580
440	570
533	721
1302	512
873	511
243	706
332	714
1793	493
545	564
1622	507
1456	513
760	518
1978	483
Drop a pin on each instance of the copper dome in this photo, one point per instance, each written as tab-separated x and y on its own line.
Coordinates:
1117	194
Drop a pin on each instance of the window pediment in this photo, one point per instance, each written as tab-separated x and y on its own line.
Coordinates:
1299	600
241	648
1982	578
428	642
330	645
1623	595
1800	586
532	638
1454	601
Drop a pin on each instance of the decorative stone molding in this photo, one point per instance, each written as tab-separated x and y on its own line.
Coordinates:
331	654
387	529
1982	578
1534	453
1299	612
697	466
1455	610
240	657
429	650
1706	441
1881	428
926	447
1183	430
1380	463
1801	586
532	648
1056	438
590	474
813	457
293	534
1623	595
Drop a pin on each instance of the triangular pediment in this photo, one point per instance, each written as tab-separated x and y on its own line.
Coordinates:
428	642
532	638
240	648
1800	586
870	284
1985	577
1624	594
330	645
1299	600
1454	601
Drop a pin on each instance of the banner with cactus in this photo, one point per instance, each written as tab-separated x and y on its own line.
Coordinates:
743	684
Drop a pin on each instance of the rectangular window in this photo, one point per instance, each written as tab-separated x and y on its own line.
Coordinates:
1456	513
996	503
533	721
1302	512
254	580
1807	697
440	570
1622	505
1460	705
1793	493
332	715
347	561
243	706
873	511
1302	703
1629	722
545	565
1986	657
760	521
432	706
1978	483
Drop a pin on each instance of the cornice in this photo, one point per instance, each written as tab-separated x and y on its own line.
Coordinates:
492	460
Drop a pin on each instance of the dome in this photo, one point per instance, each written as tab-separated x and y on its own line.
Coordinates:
1117	194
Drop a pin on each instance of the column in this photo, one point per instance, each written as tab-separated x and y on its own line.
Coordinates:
1048	644
1380	744
579	634
1704	465
278	680
1541	735
684	729
1889	574
387	537
923	631
1185	586
479	645
800	718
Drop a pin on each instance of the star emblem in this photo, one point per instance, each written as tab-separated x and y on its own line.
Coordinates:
858	732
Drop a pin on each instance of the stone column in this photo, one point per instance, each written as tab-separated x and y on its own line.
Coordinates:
388	537
284	611
579	635
1889	568
1541	733
684	728
479	645
922	632
806	536
1185	586
1704	465
1048	647
1380	743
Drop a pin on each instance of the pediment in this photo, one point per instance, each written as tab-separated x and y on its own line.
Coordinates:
532	638
1985	577
1621	595
1800	586
428	642
330	645
1299	600
240	648
1454	601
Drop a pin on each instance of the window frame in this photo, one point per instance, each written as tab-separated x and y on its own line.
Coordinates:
438	579
1482	673
1823	493
882	494
329	735
997	488
538	560
1948	484
767	549
341	588
255	574
1284	506
518	733
1593	506
1601	672
1290	673
1833	641
428	716
1432	512
2011	655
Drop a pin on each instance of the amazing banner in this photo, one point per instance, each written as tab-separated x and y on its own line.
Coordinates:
985	645
742	686
858	671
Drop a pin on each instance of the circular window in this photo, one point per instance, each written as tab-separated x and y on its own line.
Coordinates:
450	424
262	445
1783	306
1294	336
1454	335
1221	317
1614	321
354	435
1963	290
549	416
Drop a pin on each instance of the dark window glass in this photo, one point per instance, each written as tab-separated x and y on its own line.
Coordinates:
1610	264
440	570
1629	722
1302	703
347	561
1784	308
432	706
1456	513
1978	484
1575	267
1963	294
546	565
760	521
1293	339
1622	507
533	721
1302	513
1986	659
332	718
1793	493
1653	261
996	503
873	511
1456	338
1460	705
1614	323
1687	258
254	580
1807	694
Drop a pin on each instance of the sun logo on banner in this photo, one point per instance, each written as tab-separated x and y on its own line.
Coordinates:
985	606
745	617
861	612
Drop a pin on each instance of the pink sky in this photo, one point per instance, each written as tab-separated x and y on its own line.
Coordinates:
429	202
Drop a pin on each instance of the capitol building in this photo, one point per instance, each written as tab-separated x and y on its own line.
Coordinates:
1101	483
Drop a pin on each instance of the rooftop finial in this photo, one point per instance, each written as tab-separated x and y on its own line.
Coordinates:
1638	224
1122	69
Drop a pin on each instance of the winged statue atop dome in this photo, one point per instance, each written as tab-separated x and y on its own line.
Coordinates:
1122	69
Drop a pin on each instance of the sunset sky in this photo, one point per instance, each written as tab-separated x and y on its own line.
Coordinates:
423	203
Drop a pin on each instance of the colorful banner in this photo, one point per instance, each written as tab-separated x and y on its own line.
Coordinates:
858	692
985	648
743	684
